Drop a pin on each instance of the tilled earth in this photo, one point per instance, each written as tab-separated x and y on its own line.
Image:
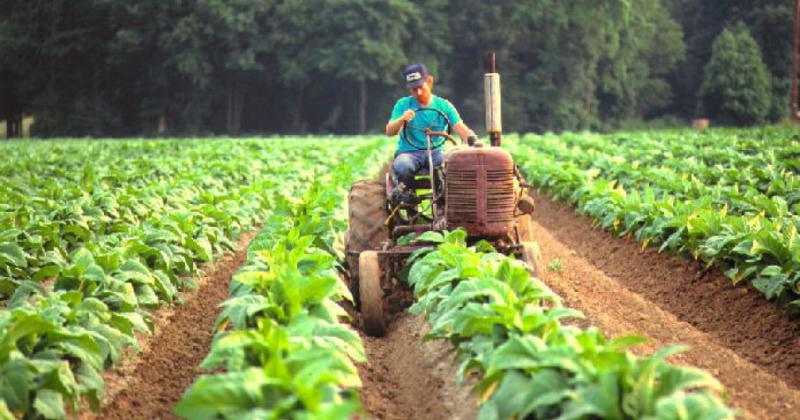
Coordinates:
148	385
746	342
408	378
750	345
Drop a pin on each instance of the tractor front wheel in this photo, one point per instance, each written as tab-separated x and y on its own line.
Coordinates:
371	292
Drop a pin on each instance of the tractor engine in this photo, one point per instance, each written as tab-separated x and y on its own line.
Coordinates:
480	192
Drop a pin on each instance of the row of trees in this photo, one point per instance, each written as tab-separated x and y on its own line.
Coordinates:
117	68
729	43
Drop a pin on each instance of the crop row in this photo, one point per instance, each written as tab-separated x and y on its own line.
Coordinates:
506	327
95	234
685	166
99	195
283	352
647	186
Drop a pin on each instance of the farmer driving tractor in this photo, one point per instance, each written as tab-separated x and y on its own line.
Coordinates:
473	187
411	157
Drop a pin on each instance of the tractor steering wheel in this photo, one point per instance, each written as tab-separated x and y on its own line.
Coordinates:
442	136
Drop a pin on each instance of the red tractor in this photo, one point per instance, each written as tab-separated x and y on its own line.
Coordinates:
477	188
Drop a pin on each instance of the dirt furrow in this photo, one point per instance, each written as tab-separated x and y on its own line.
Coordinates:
739	318
408	378
748	344
148	385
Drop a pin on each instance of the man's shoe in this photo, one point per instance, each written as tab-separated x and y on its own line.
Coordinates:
400	195
403	199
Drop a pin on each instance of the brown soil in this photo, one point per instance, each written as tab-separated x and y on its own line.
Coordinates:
734	333
745	341
408	378
148	386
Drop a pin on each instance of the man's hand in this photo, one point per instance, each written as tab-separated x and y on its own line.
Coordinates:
394	126
465	133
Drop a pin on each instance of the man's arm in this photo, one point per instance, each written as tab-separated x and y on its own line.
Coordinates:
464	132
467	135
393	126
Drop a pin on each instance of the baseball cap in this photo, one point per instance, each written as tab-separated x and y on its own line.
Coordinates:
415	75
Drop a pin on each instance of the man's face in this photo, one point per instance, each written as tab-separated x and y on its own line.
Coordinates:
422	93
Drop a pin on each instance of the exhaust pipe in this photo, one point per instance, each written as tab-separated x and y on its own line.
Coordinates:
491	89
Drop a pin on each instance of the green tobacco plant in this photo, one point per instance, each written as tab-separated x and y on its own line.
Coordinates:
52	352
279	342
507	328
728	197
87	250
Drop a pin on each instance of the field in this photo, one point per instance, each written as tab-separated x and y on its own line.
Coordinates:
203	279
730	199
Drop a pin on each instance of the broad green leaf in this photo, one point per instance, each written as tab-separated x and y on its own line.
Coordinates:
16	382
239	310
772	286
82	259
431	236
202	248
225	395
682	405
11	253
517	353
5	412
145	295
50	404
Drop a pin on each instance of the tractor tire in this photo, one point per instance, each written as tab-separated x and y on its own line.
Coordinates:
371	292
367	232
531	256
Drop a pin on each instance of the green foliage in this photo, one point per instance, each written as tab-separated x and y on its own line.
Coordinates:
506	327
215	66
736	85
727	197
274	66
555	265
279	344
632	79
703	21
87	251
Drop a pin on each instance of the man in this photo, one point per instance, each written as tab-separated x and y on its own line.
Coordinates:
408	160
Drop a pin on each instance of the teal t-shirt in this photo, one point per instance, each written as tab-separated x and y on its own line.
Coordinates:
423	120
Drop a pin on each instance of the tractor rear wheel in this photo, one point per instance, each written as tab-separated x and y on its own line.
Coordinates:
371	294
531	256
367	231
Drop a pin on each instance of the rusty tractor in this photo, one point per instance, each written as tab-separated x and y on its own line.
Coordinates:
477	188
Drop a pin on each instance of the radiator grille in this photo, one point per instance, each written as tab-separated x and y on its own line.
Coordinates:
462	197
500	198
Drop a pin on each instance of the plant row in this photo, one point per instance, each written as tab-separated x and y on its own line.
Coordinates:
280	351
507	329
116	241
732	170
170	202
737	225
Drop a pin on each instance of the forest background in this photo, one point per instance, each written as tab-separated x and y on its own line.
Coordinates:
235	67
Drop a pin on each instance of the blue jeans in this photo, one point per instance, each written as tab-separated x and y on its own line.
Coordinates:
406	165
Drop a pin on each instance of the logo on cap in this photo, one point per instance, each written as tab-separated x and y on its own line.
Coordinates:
413	76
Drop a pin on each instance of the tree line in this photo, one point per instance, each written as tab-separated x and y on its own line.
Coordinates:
179	67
